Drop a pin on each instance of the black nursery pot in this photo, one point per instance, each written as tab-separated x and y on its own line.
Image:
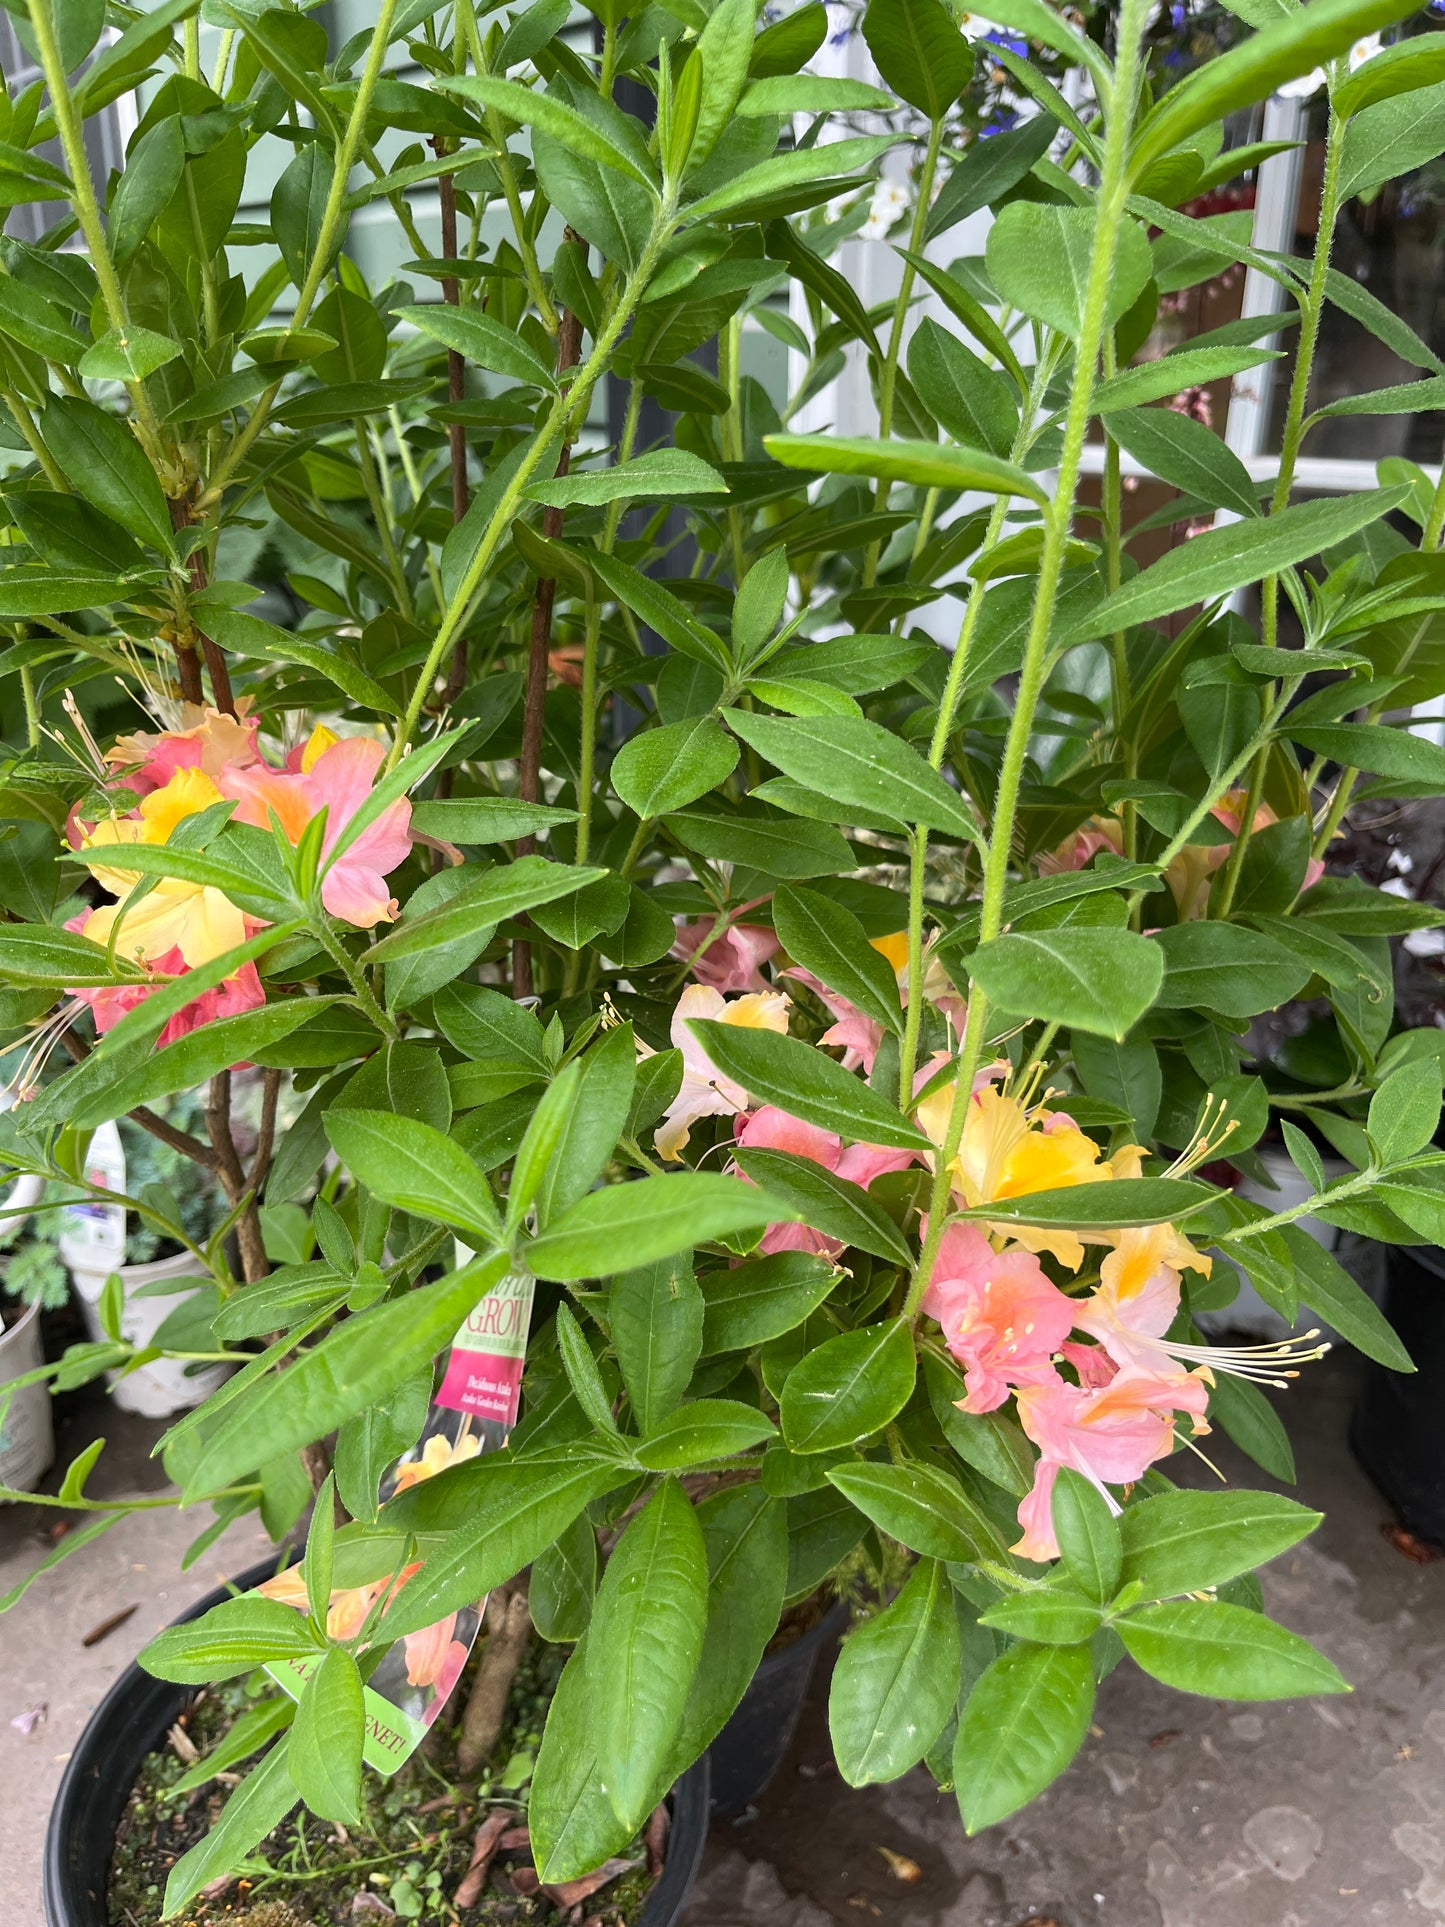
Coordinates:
749	1752
1398	1429
132	1721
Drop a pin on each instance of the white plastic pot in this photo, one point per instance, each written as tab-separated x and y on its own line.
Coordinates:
164	1386
27	1436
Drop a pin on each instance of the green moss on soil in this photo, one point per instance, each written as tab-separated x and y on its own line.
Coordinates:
411	1852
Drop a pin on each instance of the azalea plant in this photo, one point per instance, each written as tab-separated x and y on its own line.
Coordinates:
845	1034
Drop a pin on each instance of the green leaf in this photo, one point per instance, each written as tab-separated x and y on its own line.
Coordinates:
26	592
1408	398
232	1638
105	463
1254	69
1225	1652
857	763
1186	454
361	1361
657	476
1121	1202
1391	139
780	1070
134	355
1390	72
502	1521
1040	22
1188	1541
563	1583
1241	1410
779	846
661	610
90	1094
667	768
27	317
1025	1720
1393	753
486	819
1051	1615
745	1533
918	464
1088	1536
1221	560
372	1441
896	1680
656	1318
596	1118
700	1431
830	1204
1405	1110
326	1739
848	1388
52	958
481	340
919	50
496	894
247	1734
1098	980
643	1647
1217	966
573	1826
259	1804
417	1168
724	48
1038	259
604	134
828	940
919	1506
752	1303
754	194
623	1226
1326	1287
972	402
1171	374
812	94
985	172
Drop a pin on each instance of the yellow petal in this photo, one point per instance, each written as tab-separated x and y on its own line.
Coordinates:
317	744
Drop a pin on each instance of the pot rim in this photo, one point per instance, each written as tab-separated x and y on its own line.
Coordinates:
22	1325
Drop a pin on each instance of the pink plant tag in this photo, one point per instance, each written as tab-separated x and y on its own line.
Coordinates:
473	1412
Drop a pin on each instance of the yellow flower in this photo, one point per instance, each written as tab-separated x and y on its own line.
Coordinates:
193	918
437	1455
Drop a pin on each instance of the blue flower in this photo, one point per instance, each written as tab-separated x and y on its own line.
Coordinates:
1012	41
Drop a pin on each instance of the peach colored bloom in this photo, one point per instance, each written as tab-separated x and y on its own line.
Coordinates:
731	961
196	919
1111	1434
1137	1298
860	1036
208	740
338	779
110	1002
704	1091
1191	873
1001	1317
427	1652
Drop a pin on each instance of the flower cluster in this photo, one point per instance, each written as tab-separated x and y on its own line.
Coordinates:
1099	1384
156	783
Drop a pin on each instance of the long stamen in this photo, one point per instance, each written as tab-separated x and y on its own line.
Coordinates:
1269	1364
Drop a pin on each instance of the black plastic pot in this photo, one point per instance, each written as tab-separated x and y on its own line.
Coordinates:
749	1752
1398	1429
132	1721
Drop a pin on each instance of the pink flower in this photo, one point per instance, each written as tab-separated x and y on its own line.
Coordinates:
1001	1317
1081	846
730	962
208	741
771	1129
1111	1434
338	779
110	1002
857	1035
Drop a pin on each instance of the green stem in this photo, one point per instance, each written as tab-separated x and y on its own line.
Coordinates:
1361	1181
1253	796
571	403
888	376
1058	519
913	1011
381	514
32	706
83	200
333	221
25	422
321	929
591	639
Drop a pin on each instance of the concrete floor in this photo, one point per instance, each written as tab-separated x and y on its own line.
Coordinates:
1179	1813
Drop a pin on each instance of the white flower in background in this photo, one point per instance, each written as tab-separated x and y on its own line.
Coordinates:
1310	83
974	26
891	201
